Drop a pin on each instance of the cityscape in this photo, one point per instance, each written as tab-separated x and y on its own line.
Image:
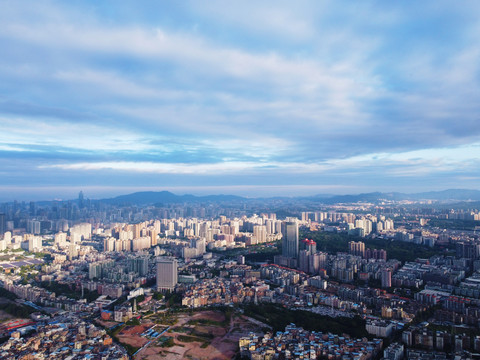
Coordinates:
291	278
241	180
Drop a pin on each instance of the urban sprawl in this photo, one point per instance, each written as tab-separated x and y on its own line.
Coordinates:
282	279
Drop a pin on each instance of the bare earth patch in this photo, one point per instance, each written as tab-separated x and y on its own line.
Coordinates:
131	335
203	335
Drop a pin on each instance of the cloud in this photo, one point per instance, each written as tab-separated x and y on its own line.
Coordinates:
407	164
306	88
184	168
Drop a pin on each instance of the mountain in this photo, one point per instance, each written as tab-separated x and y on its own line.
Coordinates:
163	197
366	197
155	197
166	197
451	194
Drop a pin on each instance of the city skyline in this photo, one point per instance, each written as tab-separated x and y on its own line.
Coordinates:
245	99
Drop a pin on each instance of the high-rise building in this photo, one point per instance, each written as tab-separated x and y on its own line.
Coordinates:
153	237
33	227
357	248
60	239
33	208
290	241
138	264
95	270
167	274
200	246
303	260
386	278
469	250
260	232
81	200
34	244
2	224
137	230
308	244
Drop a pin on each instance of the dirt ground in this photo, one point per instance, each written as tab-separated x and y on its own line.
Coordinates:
131	335
203	335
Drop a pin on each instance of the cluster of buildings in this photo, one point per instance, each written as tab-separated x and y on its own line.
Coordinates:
63	337
422	337
47	298
113	250
297	343
442	271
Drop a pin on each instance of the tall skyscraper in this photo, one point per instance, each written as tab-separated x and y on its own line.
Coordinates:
81	200
167	274
33	208
386	278
290	238
2	224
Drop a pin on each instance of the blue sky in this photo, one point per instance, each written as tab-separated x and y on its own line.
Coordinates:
238	97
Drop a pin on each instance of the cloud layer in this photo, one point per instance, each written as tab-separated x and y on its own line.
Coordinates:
329	96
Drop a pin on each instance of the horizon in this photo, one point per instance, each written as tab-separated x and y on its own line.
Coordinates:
262	194
300	99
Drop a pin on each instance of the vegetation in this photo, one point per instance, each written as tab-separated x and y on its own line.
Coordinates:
4	293
12	250
133	321
264	256
113	333
278	317
139	299
130	349
205	322
168	342
164	319
69	290
16	310
402	251
157	296
399	250
255	253
188	338
455	330
454	224
173	299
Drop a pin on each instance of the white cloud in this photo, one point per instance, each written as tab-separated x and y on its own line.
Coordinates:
185	168
291	21
341	82
408	164
24	132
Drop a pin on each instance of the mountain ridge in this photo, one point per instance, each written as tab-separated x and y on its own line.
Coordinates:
165	197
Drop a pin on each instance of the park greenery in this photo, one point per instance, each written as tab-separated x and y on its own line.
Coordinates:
454	224
69	290
4	293
278	317
16	310
338	242
8	305
173	299
255	253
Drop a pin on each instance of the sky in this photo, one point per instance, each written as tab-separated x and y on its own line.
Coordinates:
252	98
